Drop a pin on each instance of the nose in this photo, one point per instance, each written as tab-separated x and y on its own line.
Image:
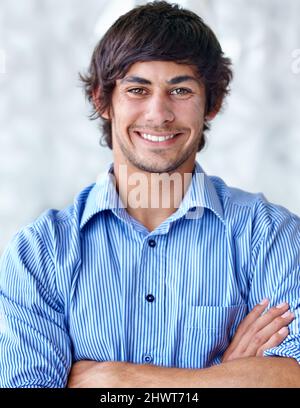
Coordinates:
159	110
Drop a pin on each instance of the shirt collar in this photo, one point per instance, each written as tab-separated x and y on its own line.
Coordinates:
200	194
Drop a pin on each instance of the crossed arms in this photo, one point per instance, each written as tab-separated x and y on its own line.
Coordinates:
243	364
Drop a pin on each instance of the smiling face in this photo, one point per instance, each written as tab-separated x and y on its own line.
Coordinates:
157	117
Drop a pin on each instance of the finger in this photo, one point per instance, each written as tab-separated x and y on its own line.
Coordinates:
263	336
274	341
248	320
272	314
250	337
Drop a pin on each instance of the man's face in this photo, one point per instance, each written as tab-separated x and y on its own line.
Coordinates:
157	116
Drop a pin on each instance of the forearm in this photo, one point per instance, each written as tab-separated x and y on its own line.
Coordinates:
243	364
246	372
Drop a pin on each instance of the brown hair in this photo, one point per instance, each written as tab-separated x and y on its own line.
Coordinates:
152	32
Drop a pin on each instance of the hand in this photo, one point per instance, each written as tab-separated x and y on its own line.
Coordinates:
95	374
259	332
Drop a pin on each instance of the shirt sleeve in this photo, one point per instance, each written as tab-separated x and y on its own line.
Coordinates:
34	343
277	271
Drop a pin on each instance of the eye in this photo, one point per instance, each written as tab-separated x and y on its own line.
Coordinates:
137	91
181	91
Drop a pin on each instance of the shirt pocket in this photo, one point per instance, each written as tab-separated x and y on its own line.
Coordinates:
206	334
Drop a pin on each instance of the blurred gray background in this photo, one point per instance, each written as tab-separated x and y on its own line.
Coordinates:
49	149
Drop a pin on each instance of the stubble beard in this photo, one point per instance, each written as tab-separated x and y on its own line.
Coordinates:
168	167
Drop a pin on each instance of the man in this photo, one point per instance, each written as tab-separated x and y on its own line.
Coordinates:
143	284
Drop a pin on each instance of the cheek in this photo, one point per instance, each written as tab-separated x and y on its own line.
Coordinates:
197	108
192	114
127	111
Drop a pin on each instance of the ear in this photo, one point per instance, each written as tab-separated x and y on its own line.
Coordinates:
96	101
211	115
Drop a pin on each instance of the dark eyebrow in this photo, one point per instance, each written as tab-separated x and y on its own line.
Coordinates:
136	79
182	78
174	81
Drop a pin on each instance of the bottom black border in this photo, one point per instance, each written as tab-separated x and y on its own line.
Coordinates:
141	396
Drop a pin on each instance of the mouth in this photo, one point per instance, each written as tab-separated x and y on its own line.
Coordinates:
158	139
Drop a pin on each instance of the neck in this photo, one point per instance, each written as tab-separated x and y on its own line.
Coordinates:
151	198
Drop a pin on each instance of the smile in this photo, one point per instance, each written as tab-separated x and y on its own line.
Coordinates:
154	138
160	139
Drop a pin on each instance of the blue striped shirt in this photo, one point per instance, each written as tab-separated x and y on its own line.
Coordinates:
90	282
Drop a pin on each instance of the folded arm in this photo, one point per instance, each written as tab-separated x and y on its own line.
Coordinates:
243	364
253	372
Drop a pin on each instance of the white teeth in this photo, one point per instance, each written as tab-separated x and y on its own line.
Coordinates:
156	138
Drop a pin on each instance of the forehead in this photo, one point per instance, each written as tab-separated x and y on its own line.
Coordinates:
160	71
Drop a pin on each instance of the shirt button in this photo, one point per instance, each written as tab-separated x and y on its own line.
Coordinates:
147	358
151	243
150	298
